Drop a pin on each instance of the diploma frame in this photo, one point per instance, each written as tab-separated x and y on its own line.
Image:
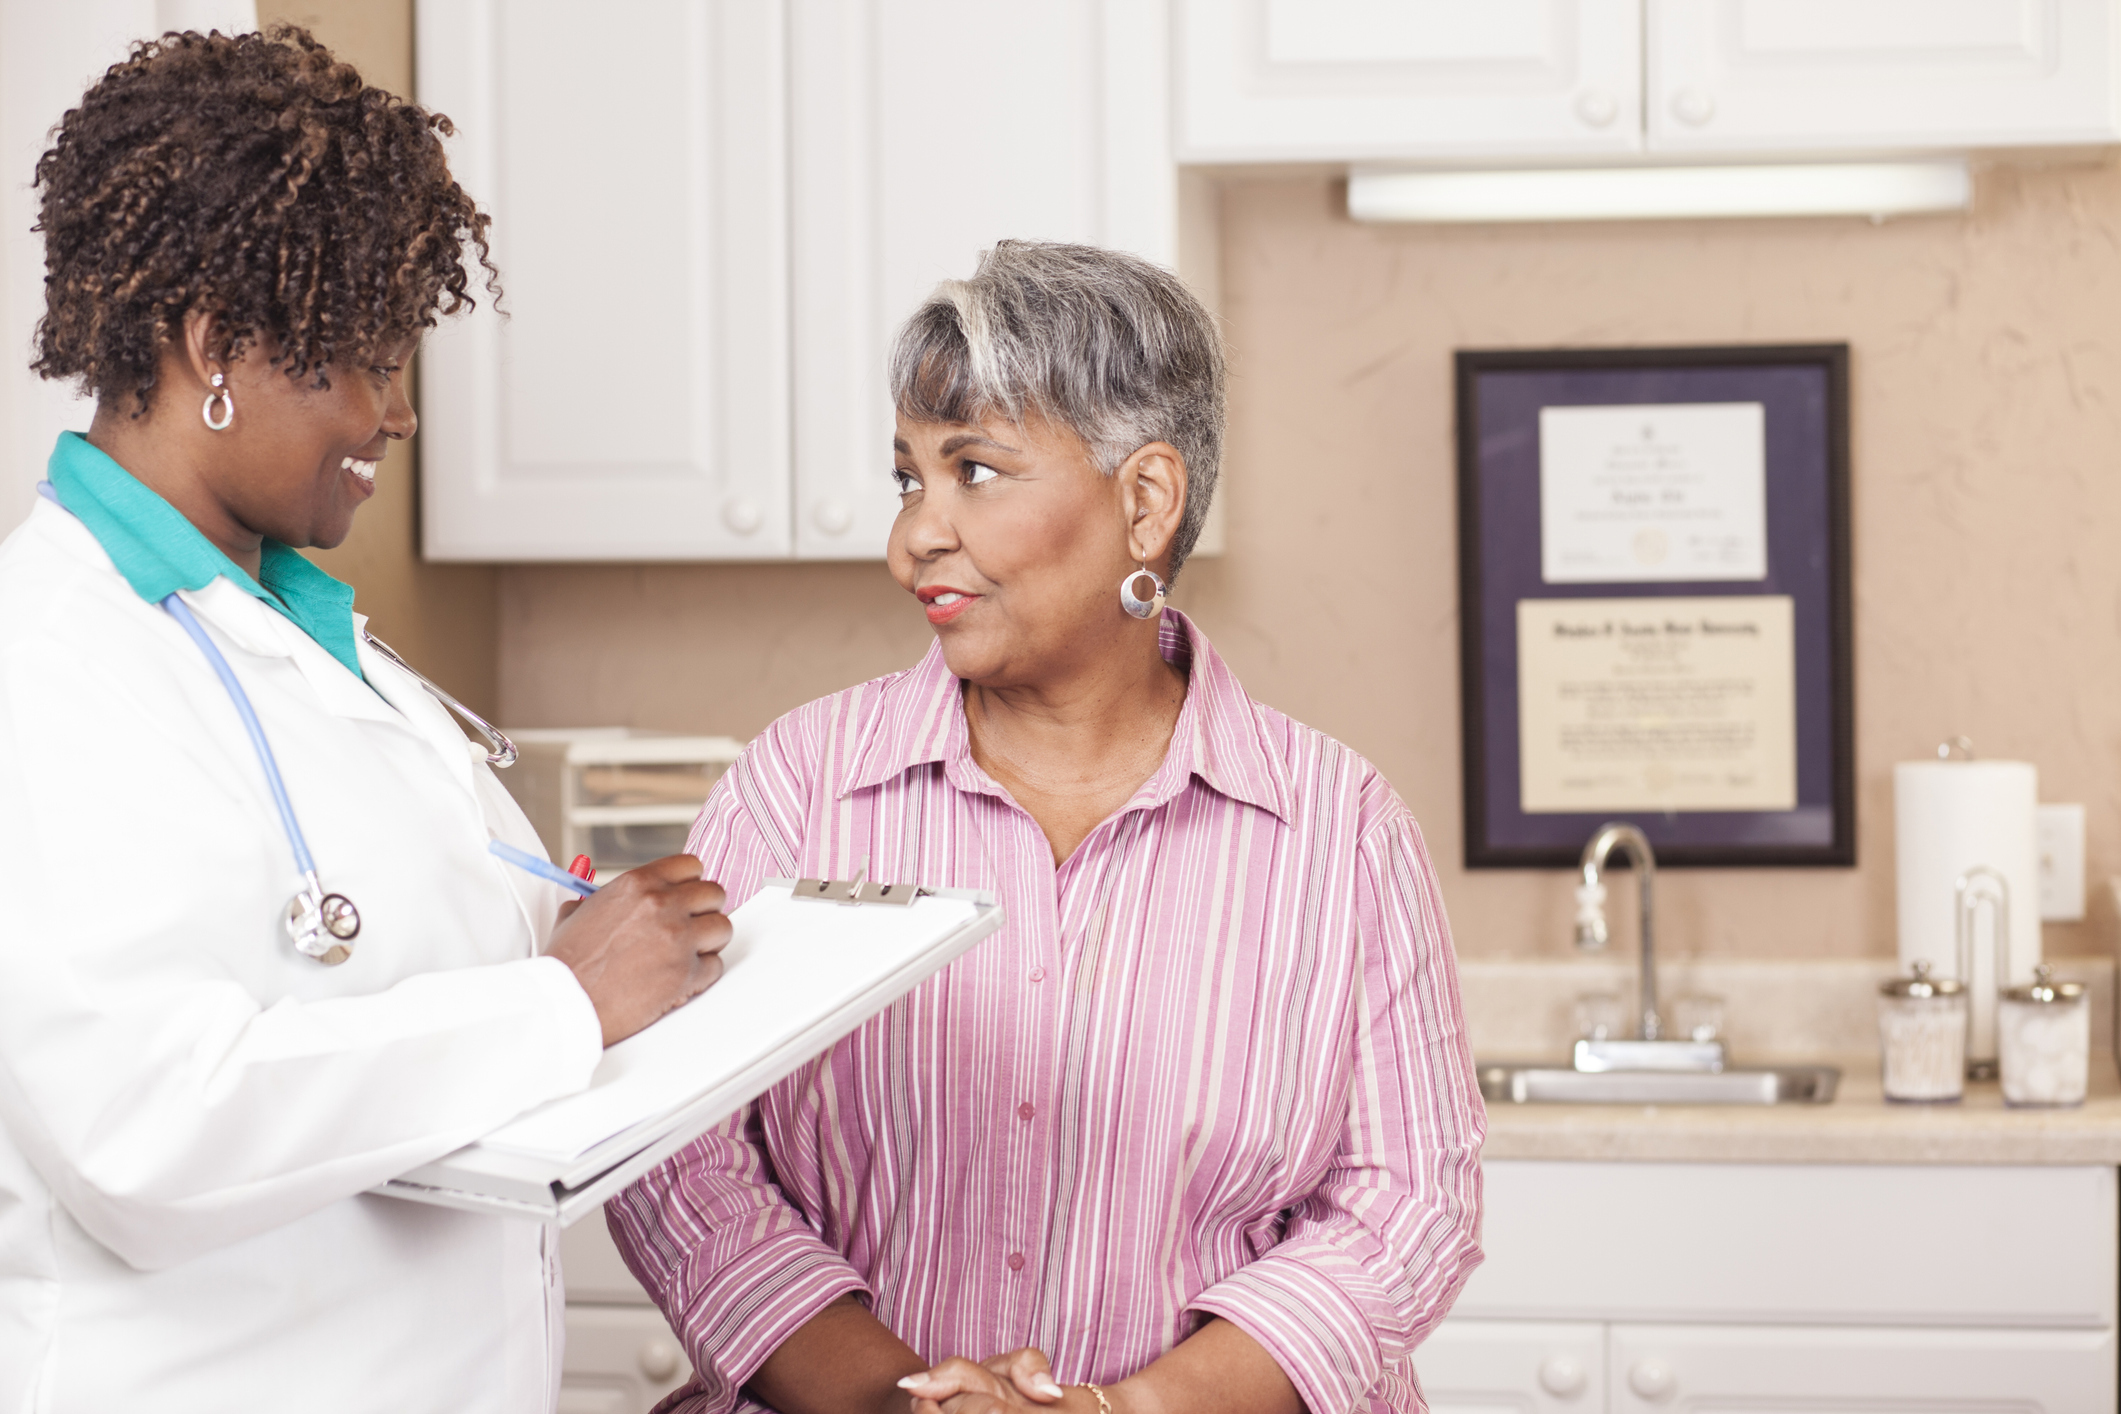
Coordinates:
1500	395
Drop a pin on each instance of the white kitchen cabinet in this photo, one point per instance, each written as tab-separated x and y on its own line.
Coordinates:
1767	1288
702	283
1684	1369
925	131
1370	80
635	403
1529	1367
1729	76
621	1356
1591	82
620	1360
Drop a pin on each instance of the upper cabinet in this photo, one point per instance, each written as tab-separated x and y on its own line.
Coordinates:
1880	75
1521	82
923	131
710	217
632	401
1364	80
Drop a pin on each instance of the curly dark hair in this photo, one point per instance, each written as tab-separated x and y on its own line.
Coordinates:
257	177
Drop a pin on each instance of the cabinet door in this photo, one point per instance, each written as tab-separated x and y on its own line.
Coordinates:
1524	1367
619	1360
1800	1370
1827	75
634	404
923	132
1796	1244
1370	80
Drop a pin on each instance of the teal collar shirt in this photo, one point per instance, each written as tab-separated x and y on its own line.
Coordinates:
160	552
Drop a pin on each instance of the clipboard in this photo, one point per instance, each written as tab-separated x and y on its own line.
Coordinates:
811	960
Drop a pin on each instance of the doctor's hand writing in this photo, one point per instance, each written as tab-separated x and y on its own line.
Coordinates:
644	944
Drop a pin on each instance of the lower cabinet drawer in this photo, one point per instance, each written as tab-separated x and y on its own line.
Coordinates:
1684	1369
619	1360
1527	1367
1797	1244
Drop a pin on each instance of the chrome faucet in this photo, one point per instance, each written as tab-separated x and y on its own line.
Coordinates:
1591	933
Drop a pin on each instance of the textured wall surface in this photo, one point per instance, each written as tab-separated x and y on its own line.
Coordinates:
1986	366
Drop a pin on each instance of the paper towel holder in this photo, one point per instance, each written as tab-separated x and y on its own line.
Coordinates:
1977	885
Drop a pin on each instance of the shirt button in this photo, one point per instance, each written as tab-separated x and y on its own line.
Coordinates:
1016	1261
1026	1110
1038	974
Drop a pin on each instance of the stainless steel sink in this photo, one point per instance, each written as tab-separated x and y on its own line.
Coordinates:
1537	1083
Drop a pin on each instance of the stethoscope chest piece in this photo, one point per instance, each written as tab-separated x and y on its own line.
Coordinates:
323	926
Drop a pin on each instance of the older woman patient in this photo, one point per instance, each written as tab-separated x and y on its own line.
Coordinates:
1198	1130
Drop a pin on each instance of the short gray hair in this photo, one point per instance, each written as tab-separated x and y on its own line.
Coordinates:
1109	345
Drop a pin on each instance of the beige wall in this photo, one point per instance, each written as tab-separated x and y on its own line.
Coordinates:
444	619
1987	390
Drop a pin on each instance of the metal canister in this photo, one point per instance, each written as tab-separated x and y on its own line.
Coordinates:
2044	1041
1922	1037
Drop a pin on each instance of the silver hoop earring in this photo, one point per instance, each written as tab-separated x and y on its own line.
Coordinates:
1141	608
228	405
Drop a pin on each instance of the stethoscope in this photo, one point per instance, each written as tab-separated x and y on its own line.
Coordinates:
320	925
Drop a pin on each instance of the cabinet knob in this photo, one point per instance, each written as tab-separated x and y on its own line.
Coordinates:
1563	1377
833	516
1693	107
1596	107
742	515
1652	1379
658	1360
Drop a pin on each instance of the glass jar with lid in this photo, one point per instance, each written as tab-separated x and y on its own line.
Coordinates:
1922	1037
2044	1041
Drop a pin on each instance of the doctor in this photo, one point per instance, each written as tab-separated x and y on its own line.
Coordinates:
243	245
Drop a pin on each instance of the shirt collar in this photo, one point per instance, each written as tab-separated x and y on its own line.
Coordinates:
159	552
921	719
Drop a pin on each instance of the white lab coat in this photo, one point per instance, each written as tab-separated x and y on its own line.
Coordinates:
189	1109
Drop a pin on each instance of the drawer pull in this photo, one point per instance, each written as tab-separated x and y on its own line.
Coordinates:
1563	1377
1652	1379
659	1360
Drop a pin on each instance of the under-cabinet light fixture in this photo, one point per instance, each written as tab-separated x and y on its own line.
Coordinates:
1873	189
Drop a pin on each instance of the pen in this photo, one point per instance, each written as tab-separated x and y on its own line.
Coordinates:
537	864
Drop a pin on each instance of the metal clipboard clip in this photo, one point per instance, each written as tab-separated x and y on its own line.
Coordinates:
858	890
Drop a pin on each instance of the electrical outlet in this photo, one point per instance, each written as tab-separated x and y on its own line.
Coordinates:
2060	830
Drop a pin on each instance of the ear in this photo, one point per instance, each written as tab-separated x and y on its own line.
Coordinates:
1153	495
198	349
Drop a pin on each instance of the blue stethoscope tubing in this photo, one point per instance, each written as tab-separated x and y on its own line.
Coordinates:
296	841
321	925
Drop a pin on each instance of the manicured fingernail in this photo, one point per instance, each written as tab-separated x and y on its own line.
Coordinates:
911	1380
1046	1384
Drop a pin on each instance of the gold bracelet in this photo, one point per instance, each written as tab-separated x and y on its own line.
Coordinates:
1104	1405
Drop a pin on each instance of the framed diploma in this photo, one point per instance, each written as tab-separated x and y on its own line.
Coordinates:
1654	603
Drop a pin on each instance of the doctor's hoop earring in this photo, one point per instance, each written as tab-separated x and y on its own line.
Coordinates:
1138	607
228	405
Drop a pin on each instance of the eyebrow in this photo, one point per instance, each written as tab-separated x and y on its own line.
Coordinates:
953	445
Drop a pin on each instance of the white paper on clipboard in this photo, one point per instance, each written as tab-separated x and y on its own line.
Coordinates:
800	974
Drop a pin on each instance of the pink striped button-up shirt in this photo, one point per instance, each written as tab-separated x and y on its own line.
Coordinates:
1212	1065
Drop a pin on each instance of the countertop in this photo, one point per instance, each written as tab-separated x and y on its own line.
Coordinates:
1859	1127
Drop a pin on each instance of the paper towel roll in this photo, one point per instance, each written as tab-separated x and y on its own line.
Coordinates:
1952	816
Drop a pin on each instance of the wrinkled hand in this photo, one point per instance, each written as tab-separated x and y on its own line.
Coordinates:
644	944
1022	1379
